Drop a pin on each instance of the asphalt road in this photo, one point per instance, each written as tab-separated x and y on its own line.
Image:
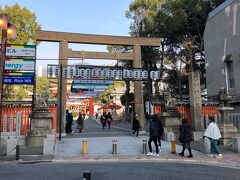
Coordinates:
93	129
116	171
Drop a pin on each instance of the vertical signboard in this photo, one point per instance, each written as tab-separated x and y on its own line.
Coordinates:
195	100
18	123
11	122
5	123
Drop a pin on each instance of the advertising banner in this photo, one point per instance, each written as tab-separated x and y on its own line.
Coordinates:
19	64
19	74
86	81
89	86
87	90
75	96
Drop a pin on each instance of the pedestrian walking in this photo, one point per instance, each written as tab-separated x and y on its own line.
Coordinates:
69	120
213	134
109	119
84	116
96	115
135	125
154	132
160	133
185	137
80	122
103	119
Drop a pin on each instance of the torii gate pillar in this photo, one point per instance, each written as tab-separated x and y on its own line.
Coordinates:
62	95
138	91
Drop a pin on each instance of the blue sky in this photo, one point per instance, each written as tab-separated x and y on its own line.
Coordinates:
105	17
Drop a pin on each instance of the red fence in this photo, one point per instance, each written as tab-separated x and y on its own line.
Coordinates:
26	111
186	113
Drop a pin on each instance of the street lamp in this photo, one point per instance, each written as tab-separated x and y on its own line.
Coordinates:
8	31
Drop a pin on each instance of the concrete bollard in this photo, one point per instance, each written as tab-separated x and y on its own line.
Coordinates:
17	152
114	146
86	175
84	147
144	146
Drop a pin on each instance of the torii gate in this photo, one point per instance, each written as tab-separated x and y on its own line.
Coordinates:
64	53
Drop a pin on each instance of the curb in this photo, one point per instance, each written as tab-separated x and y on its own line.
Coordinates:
147	159
127	159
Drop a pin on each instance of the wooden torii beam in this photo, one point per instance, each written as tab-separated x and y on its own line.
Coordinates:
53	36
99	55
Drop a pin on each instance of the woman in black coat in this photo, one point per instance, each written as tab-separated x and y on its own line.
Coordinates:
136	125
103	119
80	123
185	137
154	133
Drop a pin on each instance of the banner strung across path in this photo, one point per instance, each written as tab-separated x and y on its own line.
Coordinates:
99	72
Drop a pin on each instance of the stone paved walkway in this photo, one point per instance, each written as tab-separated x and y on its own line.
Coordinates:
129	150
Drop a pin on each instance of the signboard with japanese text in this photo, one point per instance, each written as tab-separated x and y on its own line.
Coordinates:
20	50
18	79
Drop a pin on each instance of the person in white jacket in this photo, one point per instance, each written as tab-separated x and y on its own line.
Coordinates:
213	134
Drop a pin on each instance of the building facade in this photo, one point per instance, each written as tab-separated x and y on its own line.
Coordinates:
222	50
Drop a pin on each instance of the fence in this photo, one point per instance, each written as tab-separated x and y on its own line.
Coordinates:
12	125
234	118
186	113
9	120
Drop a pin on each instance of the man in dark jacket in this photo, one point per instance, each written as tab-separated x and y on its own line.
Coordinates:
185	137
154	132
160	133
69	120
136	125
103	119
